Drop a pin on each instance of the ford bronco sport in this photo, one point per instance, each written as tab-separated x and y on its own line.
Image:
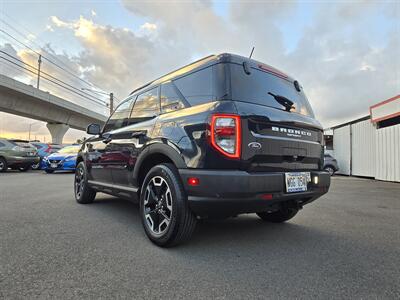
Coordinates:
223	136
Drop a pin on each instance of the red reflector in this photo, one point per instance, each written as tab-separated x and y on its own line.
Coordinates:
273	71
193	181
225	131
266	196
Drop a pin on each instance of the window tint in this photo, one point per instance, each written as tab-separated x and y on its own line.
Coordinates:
255	87
146	106
170	100
197	88
120	116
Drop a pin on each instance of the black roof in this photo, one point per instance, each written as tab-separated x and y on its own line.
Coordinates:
210	60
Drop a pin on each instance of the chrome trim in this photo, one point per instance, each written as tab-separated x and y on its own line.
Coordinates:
114	186
257	135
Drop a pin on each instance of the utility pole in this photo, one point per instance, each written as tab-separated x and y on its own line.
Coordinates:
111	103
111	95
38	75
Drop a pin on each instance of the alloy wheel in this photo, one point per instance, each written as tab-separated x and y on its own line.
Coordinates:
79	181
158	205
330	170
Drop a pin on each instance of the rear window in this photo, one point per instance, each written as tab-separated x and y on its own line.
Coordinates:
255	87
21	144
197	87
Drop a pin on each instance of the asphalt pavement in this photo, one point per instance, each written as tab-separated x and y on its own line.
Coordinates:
346	245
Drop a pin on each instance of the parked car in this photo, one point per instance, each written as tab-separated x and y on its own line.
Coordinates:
62	160
223	136
330	164
44	150
17	154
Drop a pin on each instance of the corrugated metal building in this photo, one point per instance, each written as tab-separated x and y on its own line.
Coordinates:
370	146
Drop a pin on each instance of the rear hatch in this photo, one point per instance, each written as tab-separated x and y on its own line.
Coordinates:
23	148
279	131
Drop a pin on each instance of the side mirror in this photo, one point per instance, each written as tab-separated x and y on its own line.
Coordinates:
93	129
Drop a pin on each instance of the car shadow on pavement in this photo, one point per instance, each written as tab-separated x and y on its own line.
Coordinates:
233	233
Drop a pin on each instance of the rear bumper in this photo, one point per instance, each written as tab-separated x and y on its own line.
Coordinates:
17	161
234	192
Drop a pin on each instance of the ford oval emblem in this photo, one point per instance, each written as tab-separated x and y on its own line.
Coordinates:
254	145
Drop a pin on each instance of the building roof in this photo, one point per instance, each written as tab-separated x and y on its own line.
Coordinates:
386	109
350	122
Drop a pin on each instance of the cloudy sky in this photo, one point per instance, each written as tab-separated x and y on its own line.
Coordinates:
345	54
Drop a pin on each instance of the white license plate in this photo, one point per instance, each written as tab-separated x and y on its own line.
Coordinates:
297	181
53	165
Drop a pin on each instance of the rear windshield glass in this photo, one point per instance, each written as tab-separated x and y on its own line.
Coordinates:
22	144
255	87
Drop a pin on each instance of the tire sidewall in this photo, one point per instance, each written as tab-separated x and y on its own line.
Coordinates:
178	202
4	165
81	165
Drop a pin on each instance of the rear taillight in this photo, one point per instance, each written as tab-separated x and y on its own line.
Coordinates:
225	134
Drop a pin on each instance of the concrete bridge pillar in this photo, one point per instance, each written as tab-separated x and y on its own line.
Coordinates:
57	132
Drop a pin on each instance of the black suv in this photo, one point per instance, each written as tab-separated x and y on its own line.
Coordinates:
222	136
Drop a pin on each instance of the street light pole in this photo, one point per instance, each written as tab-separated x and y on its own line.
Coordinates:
30	127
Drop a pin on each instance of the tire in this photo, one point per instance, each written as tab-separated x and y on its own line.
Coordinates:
279	216
49	171
165	213
84	194
3	165
330	170
36	166
24	169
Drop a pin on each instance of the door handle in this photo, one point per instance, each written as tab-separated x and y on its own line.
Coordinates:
107	140
139	133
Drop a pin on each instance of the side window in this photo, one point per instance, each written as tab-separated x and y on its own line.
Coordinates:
170	100
197	87
146	106
120	117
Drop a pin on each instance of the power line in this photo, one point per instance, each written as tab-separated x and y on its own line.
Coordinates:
51	76
33	42
47	76
66	69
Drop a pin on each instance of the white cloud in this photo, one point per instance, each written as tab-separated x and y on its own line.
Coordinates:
336	59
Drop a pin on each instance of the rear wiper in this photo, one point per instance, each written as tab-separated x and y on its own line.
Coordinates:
288	104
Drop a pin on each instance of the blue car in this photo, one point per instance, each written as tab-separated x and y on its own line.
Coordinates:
44	150
63	160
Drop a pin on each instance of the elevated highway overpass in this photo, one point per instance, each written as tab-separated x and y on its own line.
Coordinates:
25	100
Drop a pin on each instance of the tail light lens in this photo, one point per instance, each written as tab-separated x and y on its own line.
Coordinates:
225	134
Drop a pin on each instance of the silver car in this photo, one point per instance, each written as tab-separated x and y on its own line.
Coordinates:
330	164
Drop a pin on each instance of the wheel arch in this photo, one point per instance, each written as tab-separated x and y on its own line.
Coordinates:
78	160
154	155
